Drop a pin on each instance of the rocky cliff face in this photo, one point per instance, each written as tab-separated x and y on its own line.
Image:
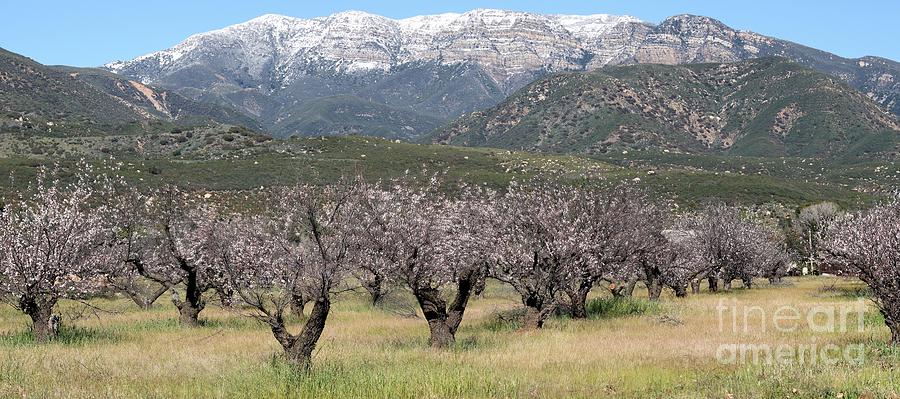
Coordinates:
292	60
279	49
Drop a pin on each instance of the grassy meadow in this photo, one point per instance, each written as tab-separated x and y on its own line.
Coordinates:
627	348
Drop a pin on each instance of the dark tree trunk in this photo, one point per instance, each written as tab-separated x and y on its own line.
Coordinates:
653	280
375	288
748	282
468	285
443	321
695	286
189	309
680	290
434	308
895	333
713	283
775	280
188	314
298	350
442	335
578	298
892	320
44	325
726	284
536	312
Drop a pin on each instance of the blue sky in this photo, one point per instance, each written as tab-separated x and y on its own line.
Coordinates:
89	33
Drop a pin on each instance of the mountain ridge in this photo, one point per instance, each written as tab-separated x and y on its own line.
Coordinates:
760	107
35	98
503	51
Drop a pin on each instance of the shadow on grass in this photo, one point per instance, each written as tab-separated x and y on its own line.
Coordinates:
68	336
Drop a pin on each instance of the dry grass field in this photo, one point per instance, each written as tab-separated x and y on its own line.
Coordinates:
626	349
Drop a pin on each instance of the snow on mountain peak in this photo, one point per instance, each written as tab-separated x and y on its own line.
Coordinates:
354	41
592	25
428	24
271	19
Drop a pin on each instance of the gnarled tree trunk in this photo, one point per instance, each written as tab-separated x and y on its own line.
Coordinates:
435	311
40	310
578	298
895	333
298	349
680	290
536	312
188	313
443	321
375	288
891	313
653	280
189	309
532	319
713	283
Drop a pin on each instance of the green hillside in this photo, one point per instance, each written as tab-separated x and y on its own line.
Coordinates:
228	159
342	115
34	97
64	101
766	107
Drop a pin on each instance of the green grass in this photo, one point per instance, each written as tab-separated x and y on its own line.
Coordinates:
610	307
67	336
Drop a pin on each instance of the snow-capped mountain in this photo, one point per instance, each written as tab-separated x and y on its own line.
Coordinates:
506	43
277	68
